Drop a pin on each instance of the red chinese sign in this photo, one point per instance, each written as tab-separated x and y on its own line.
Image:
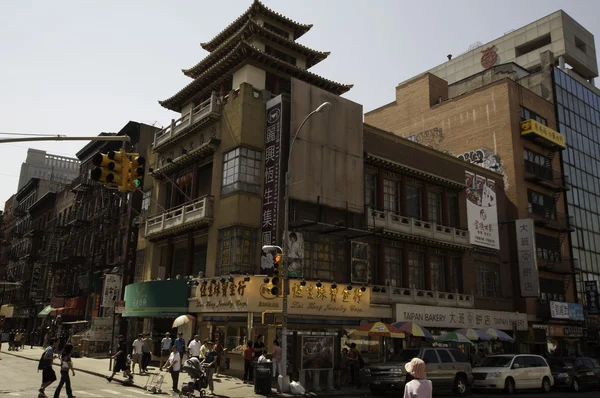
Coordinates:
489	57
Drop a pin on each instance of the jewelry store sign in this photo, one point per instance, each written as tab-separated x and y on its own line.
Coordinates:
458	318
252	294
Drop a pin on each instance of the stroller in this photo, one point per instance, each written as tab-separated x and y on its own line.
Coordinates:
194	367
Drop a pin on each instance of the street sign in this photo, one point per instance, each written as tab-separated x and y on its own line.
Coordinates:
119	307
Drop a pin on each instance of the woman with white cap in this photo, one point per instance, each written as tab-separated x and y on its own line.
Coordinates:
419	386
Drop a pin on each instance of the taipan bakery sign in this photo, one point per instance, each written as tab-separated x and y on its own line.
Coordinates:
252	294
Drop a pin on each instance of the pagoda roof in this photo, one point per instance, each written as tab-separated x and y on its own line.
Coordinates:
257	8
245	53
246	31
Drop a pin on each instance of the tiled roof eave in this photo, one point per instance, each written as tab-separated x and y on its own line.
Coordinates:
313	57
244	52
374	159
256	8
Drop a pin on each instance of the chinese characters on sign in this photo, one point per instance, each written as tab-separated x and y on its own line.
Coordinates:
270	207
559	310
528	272
359	262
482	213
533	127
576	312
591	294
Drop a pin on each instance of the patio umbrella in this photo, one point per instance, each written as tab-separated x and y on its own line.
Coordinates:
182	320
499	335
378	329
454	337
474	334
413	329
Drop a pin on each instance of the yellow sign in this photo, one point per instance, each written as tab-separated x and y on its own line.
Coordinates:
533	127
311	298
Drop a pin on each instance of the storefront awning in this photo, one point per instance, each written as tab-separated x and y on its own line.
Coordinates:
7	310
45	312
157	298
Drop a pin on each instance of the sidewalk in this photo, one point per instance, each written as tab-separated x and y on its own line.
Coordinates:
225	385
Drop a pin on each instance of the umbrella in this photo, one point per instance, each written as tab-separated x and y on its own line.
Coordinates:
453	337
499	335
413	329
378	329
474	334
182	320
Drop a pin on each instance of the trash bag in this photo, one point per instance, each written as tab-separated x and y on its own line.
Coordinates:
296	388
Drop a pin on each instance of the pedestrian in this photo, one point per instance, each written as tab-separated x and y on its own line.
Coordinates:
344	363
194	347
276	358
248	355
45	365
211	362
173	366
355	360
18	337
120	364
204	349
220	357
32	339
419	386
137	351
146	352
180	344
259	346
165	349
66	364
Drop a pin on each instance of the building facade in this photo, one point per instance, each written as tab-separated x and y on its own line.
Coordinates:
46	166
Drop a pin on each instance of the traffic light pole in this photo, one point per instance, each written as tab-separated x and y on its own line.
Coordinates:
123	138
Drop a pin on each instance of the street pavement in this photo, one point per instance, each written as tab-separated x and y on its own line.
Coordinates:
19	378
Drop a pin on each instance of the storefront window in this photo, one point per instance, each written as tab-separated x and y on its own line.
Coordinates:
416	264
237	248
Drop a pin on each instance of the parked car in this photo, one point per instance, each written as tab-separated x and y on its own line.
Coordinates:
575	373
447	368
513	372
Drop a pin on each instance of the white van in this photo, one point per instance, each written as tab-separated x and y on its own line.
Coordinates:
513	372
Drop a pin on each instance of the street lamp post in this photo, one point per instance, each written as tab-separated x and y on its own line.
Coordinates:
284	276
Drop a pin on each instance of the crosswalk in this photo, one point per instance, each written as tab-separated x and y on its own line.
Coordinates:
103	393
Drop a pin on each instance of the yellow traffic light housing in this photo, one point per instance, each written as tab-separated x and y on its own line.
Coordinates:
276	280
136	172
108	169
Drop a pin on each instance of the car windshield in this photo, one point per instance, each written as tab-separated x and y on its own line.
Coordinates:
405	355
495	361
560	363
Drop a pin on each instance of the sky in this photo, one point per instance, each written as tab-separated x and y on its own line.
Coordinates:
81	67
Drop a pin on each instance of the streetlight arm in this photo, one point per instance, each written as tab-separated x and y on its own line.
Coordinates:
296	134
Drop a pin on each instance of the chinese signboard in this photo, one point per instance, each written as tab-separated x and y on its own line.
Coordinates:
576	312
252	294
359	262
112	283
591	294
559	310
528	272
273	136
317	352
156	298
482	213
529	127
458	318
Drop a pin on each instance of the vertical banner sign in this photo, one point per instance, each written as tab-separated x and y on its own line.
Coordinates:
295	244
270	206
112	284
591	295
528	272
359	262
482	212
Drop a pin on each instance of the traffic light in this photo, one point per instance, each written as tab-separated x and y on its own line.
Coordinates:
276	280
108	170
135	174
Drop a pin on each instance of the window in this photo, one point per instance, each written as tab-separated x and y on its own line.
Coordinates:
146	200
459	356
390	195
237	249
453	217
393	265
414	201
434	204
241	171
275	29
280	55
538	165
456	265
547	247
541	205
438	279
526	114
370	191
416	276
580	44
445	356
324	258
429	356
487	279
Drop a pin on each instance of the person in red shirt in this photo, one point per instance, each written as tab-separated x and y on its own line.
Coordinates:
248	355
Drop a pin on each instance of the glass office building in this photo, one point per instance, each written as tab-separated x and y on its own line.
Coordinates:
578	117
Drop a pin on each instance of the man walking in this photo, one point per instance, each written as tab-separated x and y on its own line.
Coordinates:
173	365
211	365
137	345
45	365
194	348
146	352
165	349
180	344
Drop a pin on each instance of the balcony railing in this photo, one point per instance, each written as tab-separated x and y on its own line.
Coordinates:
546	217
208	108
545	176
557	265
392	295
409	226
181	218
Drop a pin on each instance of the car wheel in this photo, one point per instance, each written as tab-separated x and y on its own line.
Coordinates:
509	386
575	385
378	392
546	386
460	385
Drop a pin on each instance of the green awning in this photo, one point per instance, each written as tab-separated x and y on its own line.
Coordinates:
45	312
157	298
